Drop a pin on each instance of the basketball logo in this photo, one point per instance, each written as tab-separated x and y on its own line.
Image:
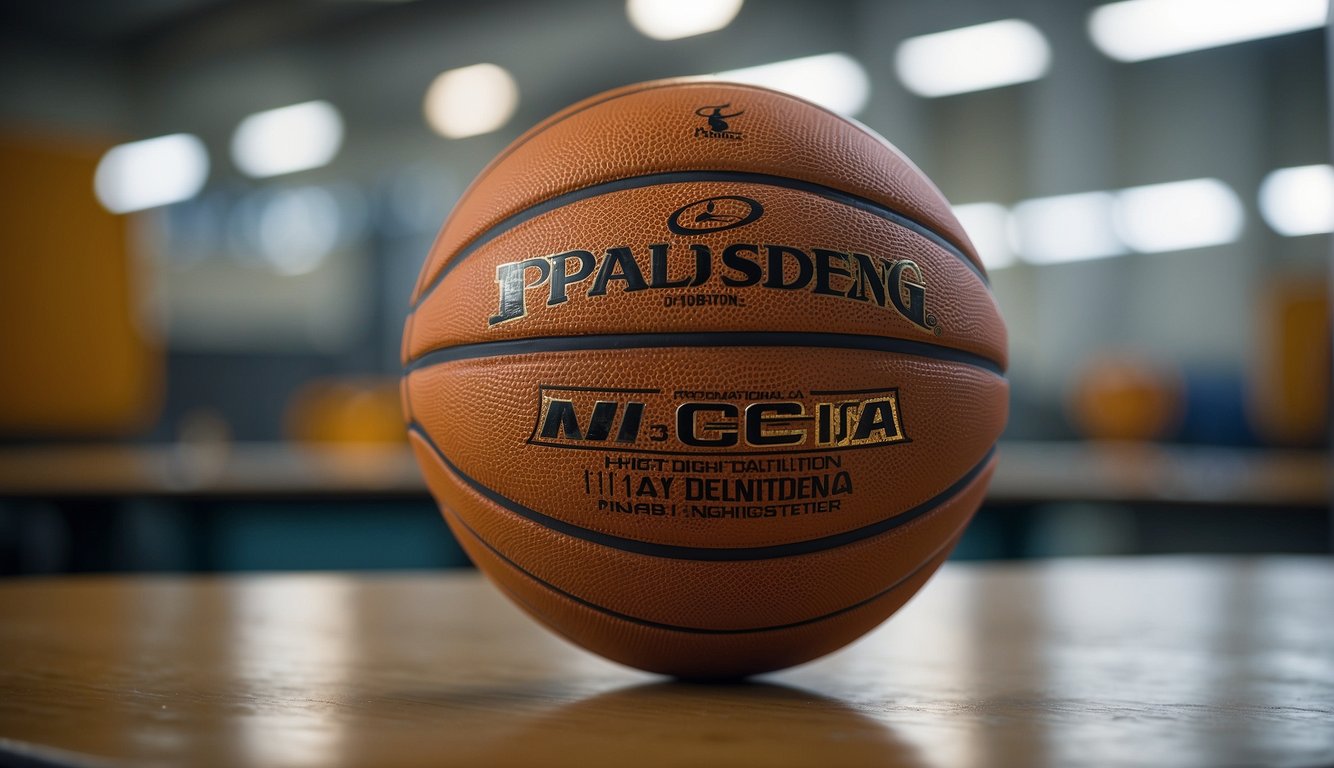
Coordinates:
714	214
717	125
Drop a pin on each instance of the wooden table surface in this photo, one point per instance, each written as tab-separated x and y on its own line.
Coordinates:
1154	661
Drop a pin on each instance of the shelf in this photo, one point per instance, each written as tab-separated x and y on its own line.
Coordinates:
1029	473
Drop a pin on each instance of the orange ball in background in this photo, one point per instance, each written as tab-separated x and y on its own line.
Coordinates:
1119	395
345	411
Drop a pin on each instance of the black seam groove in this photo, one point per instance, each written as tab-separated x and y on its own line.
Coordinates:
679	177
697	630
711	554
702	339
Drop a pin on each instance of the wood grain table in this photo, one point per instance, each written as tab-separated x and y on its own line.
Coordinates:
1153	662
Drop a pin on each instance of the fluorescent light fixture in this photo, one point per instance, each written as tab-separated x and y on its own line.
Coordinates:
833	80
986	225
152	172
1052	230
973	58
298	229
1299	201
287	139
1178	215
1135	30
674	19
470	101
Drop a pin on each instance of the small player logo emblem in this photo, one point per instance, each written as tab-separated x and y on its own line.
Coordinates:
716	117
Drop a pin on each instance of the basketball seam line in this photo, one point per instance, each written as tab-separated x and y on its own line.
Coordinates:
697	630
711	554
607	341
678	177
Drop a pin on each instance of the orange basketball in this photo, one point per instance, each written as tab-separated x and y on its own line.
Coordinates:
704	377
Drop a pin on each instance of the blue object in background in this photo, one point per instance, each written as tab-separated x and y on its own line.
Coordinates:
324	536
1215	410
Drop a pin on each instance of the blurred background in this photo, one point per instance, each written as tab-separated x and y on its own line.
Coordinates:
213	212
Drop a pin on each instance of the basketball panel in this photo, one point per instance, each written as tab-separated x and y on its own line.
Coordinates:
716	595
693	655
768	258
647	129
801	443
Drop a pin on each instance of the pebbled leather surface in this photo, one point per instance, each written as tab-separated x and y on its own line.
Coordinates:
482	413
687	654
457	311
650	127
735	595
556	532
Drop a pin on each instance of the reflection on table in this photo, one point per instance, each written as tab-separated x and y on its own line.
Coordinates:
1149	661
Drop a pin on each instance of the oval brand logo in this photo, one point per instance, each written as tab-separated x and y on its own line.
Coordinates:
714	214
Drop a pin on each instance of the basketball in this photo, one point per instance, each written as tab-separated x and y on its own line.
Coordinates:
704	377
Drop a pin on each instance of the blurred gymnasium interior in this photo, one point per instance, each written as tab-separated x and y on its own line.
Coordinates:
214	212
